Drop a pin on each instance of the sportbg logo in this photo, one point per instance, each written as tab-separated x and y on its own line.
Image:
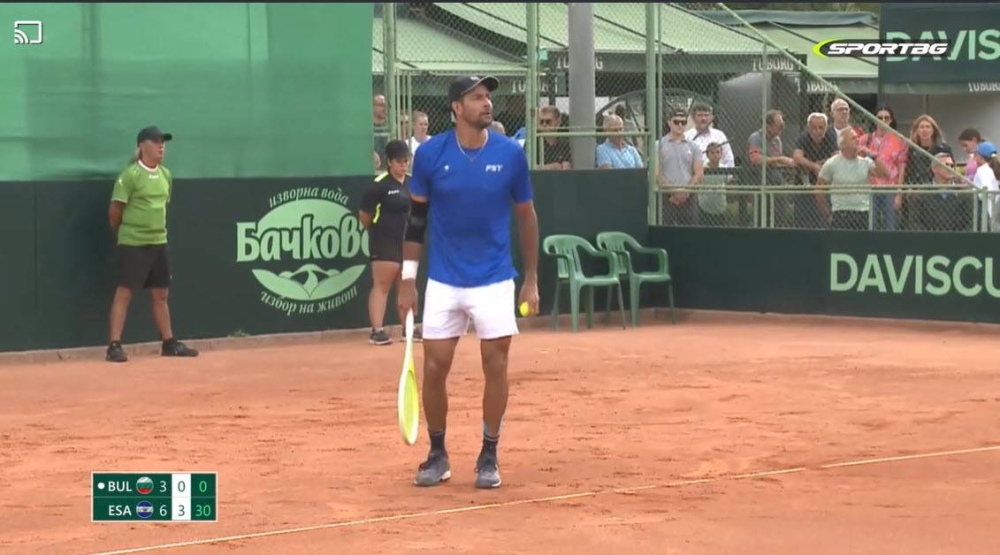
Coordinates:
849	48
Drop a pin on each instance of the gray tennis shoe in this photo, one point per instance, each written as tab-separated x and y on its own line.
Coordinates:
487	471
434	470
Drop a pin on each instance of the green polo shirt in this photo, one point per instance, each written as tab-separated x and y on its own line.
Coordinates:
145	194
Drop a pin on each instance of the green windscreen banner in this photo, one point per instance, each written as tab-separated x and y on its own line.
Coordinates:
248	256
911	275
247	90
972	64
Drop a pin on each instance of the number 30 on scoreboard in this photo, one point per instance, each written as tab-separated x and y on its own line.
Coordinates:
154	496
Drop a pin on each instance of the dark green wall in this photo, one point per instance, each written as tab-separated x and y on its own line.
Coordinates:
17	264
790	271
57	254
585	203
58	278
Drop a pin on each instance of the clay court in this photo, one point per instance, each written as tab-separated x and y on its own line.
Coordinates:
723	434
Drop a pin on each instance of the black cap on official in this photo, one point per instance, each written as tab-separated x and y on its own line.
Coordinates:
154	134
463	86
397	150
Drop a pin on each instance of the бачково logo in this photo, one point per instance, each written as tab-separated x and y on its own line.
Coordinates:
309	251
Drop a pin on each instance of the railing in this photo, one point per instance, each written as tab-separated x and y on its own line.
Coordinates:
858	208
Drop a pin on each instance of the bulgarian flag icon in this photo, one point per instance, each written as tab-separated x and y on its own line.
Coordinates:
144	485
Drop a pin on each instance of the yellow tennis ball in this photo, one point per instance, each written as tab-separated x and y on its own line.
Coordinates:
524	308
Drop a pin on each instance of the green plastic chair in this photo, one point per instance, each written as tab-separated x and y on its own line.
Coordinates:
618	244
566	249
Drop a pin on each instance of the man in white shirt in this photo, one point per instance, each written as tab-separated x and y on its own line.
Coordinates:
703	134
851	168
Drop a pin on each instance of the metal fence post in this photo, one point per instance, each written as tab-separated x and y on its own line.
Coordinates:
871	209
389	44
652	103
531	87
766	199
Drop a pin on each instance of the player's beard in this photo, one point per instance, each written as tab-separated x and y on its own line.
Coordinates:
481	122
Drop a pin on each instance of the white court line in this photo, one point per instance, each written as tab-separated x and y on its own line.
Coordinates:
469	509
911	457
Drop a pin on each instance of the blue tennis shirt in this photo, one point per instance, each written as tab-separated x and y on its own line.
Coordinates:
470	197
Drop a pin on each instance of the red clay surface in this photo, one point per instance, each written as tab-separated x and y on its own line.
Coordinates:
306	435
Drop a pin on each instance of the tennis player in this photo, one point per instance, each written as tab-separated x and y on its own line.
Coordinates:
385	208
464	185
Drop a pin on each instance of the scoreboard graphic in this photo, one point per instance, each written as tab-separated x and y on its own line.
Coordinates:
154	496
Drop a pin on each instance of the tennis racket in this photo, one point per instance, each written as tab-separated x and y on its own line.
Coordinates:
408	401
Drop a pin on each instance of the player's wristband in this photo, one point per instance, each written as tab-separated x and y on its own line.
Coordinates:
409	270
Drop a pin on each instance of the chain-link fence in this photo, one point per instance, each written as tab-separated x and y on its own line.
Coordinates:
597	117
427	46
733	122
796	150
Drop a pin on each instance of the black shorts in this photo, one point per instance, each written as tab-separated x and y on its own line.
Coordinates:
386	251
145	267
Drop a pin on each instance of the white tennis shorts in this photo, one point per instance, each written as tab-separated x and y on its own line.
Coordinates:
448	310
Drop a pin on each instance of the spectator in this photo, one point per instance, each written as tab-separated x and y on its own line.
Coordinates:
615	152
926	134
969	140
772	160
678	166
557	154
712	204
499	128
421	123
404	127
852	167
380	126
812	149
628	123
841	112
703	133
138	217
892	151
987	174
943	211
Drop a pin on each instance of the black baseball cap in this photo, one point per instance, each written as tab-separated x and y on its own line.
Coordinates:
940	148
461	87
152	133
397	150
